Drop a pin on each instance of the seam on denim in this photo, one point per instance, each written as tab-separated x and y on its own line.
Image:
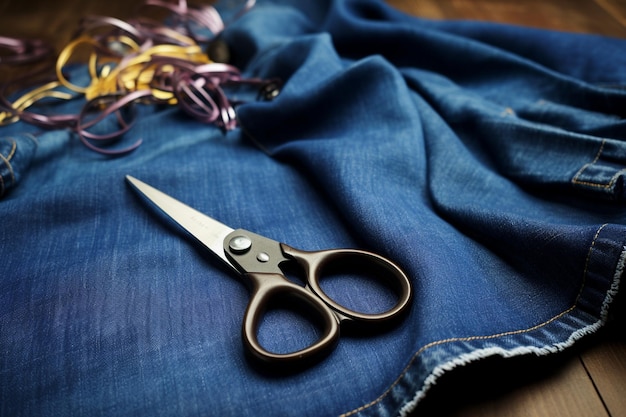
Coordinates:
487	337
587	165
6	160
491	351
13	149
605	186
620	268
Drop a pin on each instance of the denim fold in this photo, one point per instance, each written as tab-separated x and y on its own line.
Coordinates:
487	160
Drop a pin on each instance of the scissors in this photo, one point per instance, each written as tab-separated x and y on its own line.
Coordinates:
258	260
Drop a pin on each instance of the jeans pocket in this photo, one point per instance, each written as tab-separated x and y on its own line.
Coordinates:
541	156
604	174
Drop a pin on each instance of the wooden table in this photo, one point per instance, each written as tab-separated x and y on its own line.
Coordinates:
588	380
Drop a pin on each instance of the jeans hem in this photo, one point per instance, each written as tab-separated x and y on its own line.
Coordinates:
543	339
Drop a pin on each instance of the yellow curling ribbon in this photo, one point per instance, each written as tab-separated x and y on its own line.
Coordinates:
110	73
137	73
131	72
144	62
28	99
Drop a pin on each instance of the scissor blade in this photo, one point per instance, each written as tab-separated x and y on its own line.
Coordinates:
205	229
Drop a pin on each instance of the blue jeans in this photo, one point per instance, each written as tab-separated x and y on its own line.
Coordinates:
487	160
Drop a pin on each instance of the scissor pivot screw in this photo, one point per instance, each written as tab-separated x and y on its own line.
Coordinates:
240	244
262	257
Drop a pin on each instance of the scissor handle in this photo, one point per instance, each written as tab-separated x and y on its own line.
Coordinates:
268	288
259	260
316	262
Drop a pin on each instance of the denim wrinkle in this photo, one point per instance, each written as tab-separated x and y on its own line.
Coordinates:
487	160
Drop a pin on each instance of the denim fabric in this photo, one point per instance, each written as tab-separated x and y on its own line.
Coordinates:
16	154
486	160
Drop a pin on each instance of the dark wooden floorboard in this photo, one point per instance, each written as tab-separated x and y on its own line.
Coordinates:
566	15
605	364
616	8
